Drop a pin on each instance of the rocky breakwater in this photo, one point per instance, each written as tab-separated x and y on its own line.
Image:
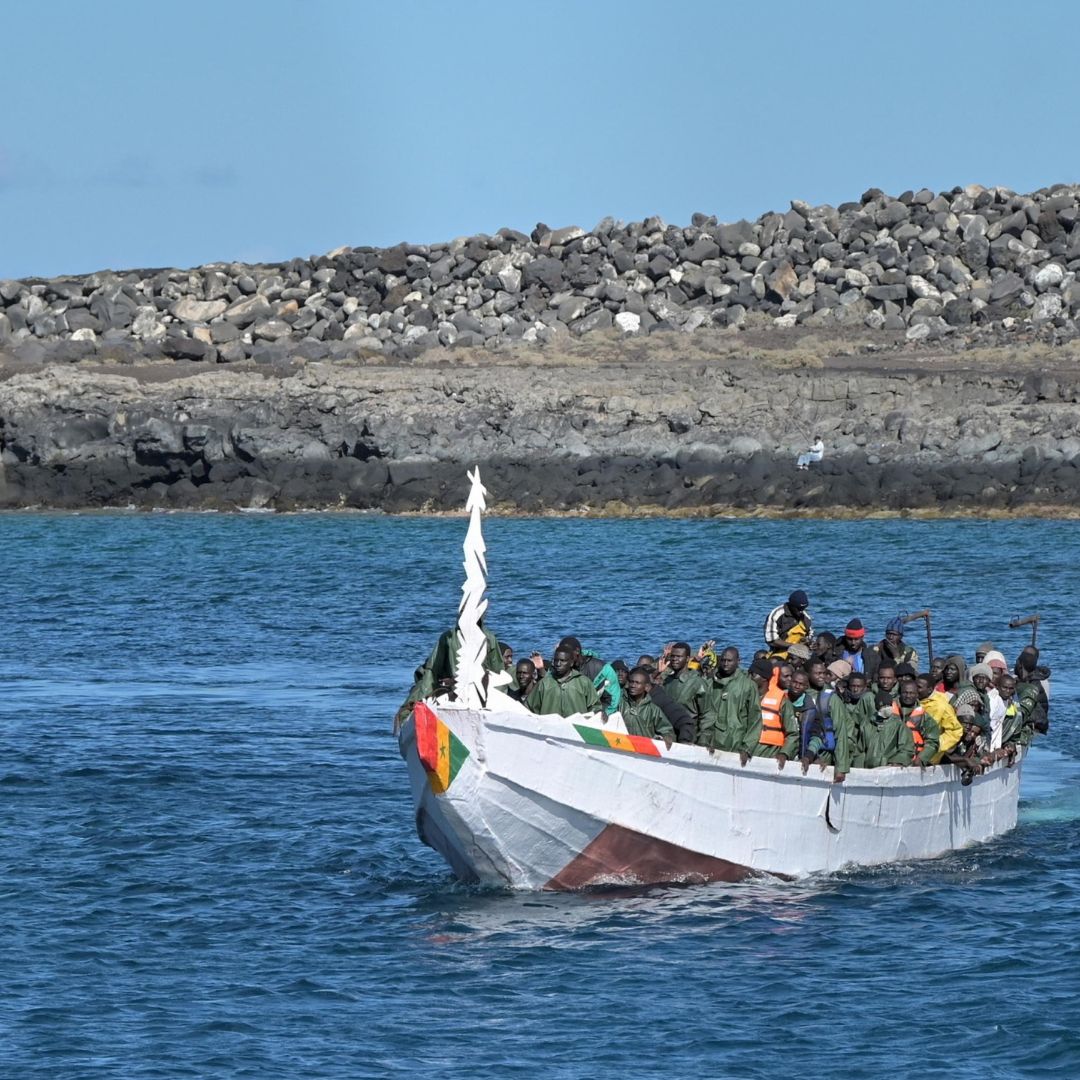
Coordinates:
922	266
623	428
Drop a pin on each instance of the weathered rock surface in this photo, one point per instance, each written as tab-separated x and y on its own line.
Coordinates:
706	423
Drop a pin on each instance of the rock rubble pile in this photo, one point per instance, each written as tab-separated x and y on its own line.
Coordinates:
921	266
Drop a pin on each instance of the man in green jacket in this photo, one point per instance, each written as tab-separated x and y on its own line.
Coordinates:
772	702
878	740
563	691
733	705
886	681
920	734
1021	702
525	676
640	714
437	674
602	674
686	686
849	707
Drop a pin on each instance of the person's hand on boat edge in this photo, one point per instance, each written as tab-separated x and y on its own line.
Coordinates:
781	760
744	757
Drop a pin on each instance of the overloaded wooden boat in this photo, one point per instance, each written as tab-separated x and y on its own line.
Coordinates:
522	801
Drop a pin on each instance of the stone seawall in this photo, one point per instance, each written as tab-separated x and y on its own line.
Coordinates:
710	429
921	266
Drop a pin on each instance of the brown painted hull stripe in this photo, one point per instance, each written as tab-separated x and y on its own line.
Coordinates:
621	856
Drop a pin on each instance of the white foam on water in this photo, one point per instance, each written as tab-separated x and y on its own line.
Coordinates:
1051	787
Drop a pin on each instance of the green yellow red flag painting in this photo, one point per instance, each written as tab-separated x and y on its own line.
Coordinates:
440	751
634	744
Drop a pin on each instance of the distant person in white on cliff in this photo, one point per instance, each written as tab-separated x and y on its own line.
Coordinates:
815	453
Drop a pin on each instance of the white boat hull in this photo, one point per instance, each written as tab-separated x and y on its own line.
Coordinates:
536	802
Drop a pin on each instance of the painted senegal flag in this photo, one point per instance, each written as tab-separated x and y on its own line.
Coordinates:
441	752
634	744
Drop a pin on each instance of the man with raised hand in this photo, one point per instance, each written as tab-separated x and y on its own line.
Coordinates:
563	691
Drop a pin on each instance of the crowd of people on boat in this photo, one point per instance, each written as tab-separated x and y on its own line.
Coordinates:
820	698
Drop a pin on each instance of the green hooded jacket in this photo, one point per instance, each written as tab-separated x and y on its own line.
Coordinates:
878	743
643	717
572	694
931	733
442	664
751	740
1019	728
733	705
689	689
605	680
846	721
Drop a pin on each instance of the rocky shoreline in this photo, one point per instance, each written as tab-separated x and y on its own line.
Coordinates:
713	429
931	340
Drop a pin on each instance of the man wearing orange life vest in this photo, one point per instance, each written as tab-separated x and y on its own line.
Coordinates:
919	732
775	730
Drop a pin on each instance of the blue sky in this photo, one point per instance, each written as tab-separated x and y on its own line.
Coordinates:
146	134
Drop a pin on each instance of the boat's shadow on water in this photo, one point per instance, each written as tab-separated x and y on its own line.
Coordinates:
448	912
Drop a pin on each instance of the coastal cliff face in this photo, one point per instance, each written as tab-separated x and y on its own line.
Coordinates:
610	428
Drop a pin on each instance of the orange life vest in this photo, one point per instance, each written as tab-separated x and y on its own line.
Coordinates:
916	733
772	725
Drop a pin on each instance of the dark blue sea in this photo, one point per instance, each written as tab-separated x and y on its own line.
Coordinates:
208	865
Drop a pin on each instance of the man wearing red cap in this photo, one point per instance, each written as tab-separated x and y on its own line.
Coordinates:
851	645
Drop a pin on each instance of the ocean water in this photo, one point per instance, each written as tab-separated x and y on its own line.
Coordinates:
209	866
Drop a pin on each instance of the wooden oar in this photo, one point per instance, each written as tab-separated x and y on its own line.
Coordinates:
1028	620
924	614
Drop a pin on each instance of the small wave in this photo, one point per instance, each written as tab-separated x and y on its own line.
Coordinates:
21	780
237	1027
